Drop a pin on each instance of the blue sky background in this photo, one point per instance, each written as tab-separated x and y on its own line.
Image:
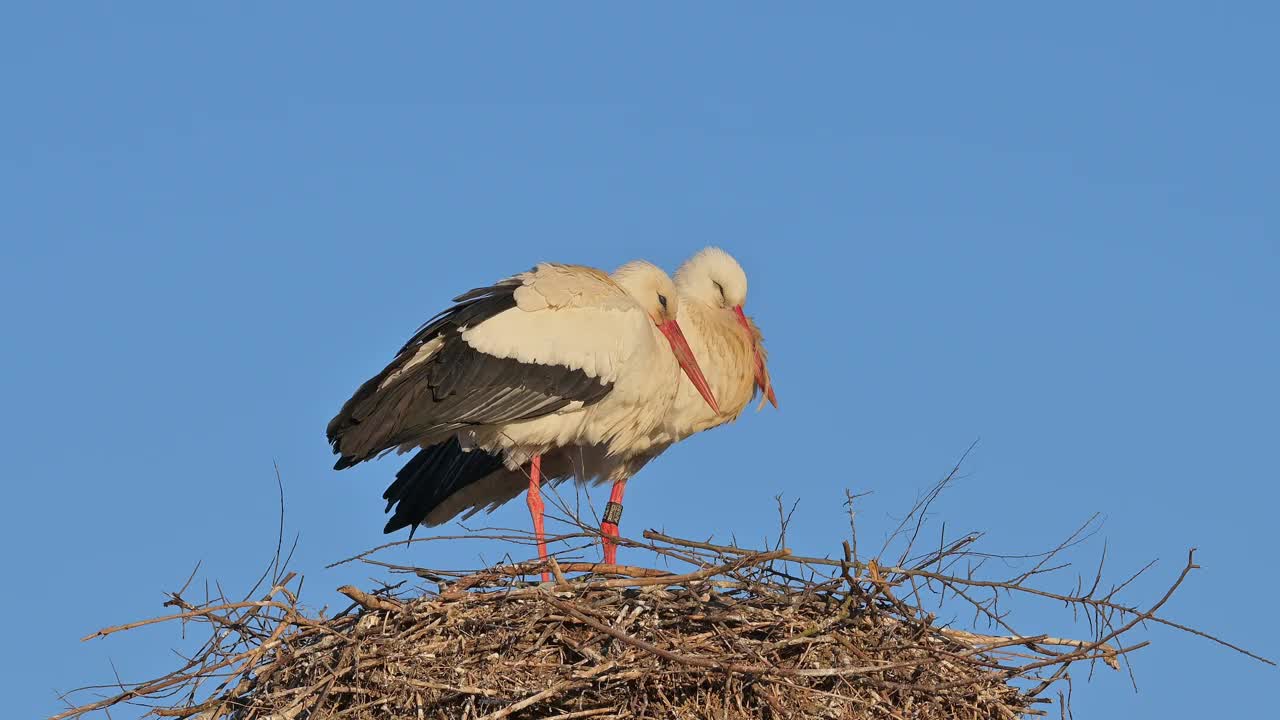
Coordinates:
1054	229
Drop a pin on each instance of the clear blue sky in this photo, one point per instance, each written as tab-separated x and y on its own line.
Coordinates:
1057	230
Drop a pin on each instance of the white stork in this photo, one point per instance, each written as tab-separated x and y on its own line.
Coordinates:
713	290
559	355
445	480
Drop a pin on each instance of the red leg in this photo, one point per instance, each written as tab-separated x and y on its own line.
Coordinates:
612	516
535	509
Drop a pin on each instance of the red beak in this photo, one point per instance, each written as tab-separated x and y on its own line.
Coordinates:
762	373
680	348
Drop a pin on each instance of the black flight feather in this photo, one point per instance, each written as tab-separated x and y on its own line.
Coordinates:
430	477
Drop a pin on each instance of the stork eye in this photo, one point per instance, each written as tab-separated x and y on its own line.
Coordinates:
662	300
720	288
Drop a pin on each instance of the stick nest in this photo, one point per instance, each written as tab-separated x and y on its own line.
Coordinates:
686	649
733	644
742	634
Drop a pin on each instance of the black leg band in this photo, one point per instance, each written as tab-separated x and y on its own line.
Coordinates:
613	512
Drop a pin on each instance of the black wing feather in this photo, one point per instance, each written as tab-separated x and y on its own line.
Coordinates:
434	474
458	386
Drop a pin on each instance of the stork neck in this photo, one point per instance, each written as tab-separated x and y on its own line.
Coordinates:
697	319
714	336
706	319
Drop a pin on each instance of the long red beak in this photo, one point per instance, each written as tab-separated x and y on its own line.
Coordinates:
762	372
680	348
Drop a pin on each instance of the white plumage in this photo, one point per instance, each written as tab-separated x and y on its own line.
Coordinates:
712	289
606	327
559	356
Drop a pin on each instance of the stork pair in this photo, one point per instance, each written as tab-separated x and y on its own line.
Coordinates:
562	371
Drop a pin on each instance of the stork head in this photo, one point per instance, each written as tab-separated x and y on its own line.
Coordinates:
715	280
656	294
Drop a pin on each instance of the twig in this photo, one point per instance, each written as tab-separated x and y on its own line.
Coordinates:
371	602
532	700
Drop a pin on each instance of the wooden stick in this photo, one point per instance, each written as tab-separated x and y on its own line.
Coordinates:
454	594
371	602
532	699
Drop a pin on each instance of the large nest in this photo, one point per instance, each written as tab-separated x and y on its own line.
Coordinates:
742	634
727	643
